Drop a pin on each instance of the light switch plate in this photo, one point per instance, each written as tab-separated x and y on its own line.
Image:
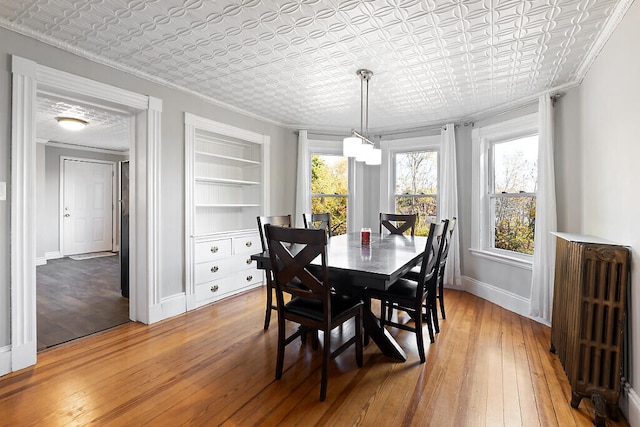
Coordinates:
3	191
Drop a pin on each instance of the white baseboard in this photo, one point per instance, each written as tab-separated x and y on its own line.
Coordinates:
5	360
168	307
23	355
504	299
630	404
47	256
53	255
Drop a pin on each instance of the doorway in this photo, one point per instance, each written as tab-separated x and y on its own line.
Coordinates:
145	303
78	285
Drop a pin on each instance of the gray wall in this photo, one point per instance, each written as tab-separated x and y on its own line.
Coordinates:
175	104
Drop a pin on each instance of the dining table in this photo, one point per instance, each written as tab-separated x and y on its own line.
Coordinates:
354	267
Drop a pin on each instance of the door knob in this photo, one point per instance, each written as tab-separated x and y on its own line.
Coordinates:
67	214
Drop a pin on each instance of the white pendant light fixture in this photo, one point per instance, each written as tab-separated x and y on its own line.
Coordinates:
359	145
71	123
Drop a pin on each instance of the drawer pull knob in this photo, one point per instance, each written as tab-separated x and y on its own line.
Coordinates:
248	244
249	278
248	260
214	249
214	288
214	269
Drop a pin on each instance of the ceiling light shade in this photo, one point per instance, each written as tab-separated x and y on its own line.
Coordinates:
351	146
71	123
363	152
374	158
359	145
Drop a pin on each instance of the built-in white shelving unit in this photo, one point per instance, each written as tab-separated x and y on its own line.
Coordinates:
226	172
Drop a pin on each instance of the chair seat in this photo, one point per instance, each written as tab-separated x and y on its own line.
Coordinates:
312	309
402	288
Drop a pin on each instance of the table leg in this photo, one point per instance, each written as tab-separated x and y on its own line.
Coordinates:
382	337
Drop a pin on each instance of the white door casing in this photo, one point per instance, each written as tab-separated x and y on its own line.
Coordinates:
87	206
145	297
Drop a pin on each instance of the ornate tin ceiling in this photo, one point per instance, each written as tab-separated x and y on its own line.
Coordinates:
293	62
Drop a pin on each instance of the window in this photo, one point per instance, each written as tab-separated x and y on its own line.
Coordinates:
416	186
512	193
329	189
504	177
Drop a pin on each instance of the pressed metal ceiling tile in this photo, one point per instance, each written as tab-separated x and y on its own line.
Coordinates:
294	62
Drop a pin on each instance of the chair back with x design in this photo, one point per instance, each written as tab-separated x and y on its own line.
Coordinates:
398	223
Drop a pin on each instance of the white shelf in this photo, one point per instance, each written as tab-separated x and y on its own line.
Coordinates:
226	176
220	159
226	181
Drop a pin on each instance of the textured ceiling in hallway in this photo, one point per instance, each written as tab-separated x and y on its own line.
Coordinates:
294	62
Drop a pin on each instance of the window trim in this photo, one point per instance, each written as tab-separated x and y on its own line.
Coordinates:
482	138
387	168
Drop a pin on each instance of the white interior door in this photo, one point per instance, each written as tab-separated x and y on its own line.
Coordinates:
87	204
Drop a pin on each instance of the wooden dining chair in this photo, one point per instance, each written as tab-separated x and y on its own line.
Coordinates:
398	223
313	305
415	272
320	221
281	221
413	296
443	263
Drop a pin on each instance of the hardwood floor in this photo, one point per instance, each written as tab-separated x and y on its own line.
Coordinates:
78	298
216	366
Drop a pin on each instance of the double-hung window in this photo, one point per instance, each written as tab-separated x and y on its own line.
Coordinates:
416	186
504	195
512	193
329	188
409	179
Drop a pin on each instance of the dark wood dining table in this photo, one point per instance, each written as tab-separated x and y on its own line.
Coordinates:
353	267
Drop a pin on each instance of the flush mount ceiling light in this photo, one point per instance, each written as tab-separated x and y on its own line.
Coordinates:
71	123
359	145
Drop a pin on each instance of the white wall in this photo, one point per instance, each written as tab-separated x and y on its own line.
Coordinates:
175	103
609	105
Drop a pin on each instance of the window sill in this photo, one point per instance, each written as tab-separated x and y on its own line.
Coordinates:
515	261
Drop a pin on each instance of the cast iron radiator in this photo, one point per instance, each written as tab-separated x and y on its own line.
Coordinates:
587	326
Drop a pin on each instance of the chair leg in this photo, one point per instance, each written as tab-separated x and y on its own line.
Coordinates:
441	294
326	355
267	315
434	314
358	320
419	337
429	316
281	345
367	301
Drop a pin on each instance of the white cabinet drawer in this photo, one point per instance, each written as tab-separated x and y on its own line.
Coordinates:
215	269
243	262
213	249
216	289
249	244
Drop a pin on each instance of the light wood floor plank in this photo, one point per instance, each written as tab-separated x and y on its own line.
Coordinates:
216	366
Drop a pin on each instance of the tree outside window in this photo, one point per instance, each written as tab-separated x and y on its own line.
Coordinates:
513	193
329	179
416	190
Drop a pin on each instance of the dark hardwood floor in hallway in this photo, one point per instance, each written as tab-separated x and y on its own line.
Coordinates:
78	298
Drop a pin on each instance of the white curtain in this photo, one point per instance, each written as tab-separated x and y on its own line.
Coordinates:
449	201
303	195
546	218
